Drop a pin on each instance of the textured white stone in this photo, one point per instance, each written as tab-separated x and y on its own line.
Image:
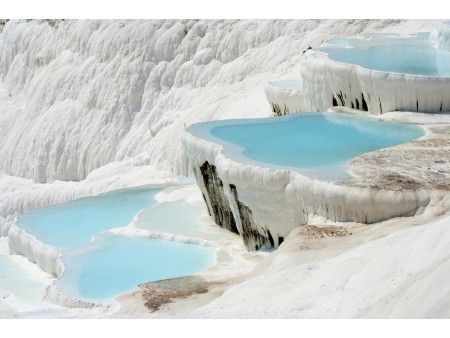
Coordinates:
46	257
71	109
282	200
383	92
86	93
400	275
287	100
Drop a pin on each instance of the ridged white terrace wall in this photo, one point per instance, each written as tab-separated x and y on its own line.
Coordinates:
329	83
86	93
284	100
45	256
281	200
80	94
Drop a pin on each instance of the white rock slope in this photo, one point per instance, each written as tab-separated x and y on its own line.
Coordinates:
81	94
91	106
403	275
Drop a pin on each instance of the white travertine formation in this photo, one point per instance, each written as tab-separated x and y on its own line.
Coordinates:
281	200
55	296
116	95
403	274
46	257
81	94
328	83
284	100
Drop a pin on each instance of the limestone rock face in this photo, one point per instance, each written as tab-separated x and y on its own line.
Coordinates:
250	234
284	100
215	198
264	204
329	83
219	208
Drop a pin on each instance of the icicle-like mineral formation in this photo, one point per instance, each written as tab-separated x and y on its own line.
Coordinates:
264	205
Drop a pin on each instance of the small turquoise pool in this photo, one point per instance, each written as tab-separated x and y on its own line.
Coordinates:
414	55
305	142
115	264
71	225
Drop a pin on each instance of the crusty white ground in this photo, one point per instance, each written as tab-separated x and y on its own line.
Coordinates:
69	118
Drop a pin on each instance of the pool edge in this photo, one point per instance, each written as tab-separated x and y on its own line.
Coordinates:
264	205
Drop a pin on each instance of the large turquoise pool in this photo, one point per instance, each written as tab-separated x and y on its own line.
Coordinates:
305	142
414	55
115	264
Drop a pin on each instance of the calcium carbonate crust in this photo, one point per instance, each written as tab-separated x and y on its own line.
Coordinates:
284	100
278	201
87	93
328	83
81	94
83	113
45	256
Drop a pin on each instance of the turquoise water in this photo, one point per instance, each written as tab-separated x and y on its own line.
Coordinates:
113	264
73	224
415	56
179	217
288	84
116	264
305	141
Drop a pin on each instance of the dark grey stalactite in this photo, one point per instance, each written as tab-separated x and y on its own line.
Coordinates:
334	102
276	109
269	235
250	233
215	194
364	104
341	98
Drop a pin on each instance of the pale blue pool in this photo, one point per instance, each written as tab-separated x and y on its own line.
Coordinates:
305	142
414	55
181	218
115	264
288	84
71	225
112	263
